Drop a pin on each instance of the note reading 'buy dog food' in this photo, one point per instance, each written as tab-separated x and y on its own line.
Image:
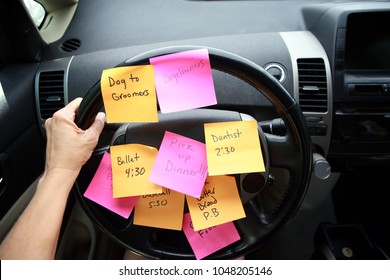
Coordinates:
207	241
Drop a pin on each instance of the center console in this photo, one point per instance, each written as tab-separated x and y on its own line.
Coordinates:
359	53
362	87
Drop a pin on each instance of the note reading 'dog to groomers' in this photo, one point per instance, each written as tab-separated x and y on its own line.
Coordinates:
129	94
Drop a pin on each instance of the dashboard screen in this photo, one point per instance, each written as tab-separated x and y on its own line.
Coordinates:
368	41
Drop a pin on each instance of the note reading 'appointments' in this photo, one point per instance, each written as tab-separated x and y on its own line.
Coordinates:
100	190
184	80
129	94
207	241
181	164
219	203
131	167
233	147
164	210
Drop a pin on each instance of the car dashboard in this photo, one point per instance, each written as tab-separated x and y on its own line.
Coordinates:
316	56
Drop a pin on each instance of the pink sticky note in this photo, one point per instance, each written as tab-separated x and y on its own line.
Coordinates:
207	241
181	165
100	190
184	80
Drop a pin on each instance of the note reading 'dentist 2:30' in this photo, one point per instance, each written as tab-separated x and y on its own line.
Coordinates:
233	147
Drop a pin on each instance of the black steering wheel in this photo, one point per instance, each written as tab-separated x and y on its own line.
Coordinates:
269	200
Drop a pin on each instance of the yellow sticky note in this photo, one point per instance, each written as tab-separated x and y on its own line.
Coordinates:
163	210
131	167
129	94
233	147
219	203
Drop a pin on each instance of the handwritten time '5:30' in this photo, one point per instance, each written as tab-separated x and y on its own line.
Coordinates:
159	199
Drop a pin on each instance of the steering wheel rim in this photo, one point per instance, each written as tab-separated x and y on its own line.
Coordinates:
258	226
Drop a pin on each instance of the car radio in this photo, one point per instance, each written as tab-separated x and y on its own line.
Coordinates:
361	117
371	89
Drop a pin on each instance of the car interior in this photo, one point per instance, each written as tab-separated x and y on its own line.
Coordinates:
314	75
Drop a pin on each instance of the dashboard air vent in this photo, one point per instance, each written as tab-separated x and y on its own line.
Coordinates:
70	45
51	92
312	85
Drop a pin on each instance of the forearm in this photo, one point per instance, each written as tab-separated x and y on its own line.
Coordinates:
35	235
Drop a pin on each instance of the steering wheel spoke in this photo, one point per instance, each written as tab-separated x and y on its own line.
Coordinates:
284	153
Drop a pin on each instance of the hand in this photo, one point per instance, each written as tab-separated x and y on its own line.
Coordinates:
69	147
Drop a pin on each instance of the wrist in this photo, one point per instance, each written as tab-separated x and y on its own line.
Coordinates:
58	180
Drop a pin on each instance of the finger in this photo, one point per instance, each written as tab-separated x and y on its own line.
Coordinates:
73	105
98	125
102	116
69	111
48	124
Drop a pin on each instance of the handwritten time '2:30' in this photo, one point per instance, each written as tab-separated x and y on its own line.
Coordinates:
226	150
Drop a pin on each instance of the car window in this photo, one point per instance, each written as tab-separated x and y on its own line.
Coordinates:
36	11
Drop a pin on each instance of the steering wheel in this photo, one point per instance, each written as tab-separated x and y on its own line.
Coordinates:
269	201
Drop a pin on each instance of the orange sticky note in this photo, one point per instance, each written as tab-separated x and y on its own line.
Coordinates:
233	147
219	203
163	210
129	94
131	167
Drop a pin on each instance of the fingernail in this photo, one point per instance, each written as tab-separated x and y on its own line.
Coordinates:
102	116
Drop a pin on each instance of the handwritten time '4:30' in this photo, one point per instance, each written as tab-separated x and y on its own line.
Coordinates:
135	171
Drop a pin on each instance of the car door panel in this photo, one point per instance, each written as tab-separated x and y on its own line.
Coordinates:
21	143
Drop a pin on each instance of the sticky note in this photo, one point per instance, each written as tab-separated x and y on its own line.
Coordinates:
219	203
129	94
163	210
131	167
181	164
233	147
184	80
100	190
207	241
